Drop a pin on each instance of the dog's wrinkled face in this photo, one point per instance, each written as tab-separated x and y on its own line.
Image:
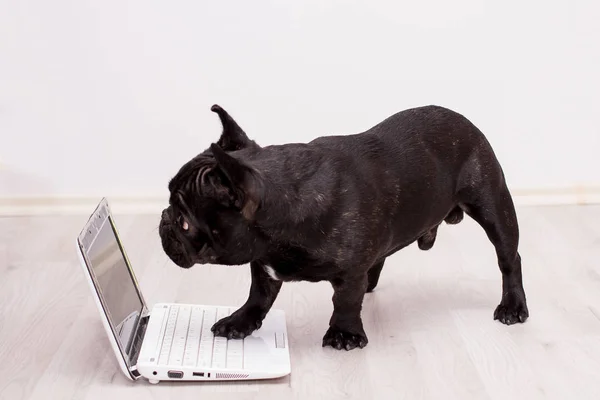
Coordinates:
201	231
212	201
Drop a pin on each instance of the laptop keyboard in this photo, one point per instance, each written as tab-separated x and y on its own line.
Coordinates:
188	340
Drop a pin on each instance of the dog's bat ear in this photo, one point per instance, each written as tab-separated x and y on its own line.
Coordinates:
233	137
244	182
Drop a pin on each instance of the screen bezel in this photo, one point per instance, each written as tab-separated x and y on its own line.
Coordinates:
102	216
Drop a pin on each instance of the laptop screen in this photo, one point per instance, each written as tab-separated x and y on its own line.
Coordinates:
121	300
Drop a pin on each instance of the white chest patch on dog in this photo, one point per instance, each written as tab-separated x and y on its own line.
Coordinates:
271	272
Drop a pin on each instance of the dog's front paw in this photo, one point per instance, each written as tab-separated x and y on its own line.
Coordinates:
237	326
512	309
339	339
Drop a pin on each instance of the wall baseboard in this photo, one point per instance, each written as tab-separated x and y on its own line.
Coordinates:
80	205
555	197
154	205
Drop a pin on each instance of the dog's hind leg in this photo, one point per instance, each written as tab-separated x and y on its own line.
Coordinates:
488	201
373	275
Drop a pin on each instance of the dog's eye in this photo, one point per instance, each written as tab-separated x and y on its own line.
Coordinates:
183	223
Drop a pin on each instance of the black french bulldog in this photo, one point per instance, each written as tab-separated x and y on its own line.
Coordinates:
335	208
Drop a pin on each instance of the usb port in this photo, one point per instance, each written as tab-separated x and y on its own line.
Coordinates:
198	373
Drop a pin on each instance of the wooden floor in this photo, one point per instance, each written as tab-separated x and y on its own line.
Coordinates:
429	322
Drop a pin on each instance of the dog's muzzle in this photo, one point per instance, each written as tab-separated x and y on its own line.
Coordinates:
172	245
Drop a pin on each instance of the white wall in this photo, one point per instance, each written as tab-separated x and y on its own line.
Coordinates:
111	97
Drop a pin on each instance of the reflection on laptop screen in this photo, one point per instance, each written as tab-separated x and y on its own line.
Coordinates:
118	288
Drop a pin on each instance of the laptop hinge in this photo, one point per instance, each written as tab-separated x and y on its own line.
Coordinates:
136	345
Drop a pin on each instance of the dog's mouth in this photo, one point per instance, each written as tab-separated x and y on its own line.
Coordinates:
206	255
181	251
177	253
173	247
185	264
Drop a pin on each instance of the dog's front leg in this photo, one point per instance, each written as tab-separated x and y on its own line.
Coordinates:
263	292
345	327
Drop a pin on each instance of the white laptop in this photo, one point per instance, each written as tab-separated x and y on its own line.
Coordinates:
170	341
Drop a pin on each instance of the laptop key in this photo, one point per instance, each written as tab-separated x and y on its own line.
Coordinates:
235	353
190	356
179	339
168	338
207	338
235	361
220	352
220	343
